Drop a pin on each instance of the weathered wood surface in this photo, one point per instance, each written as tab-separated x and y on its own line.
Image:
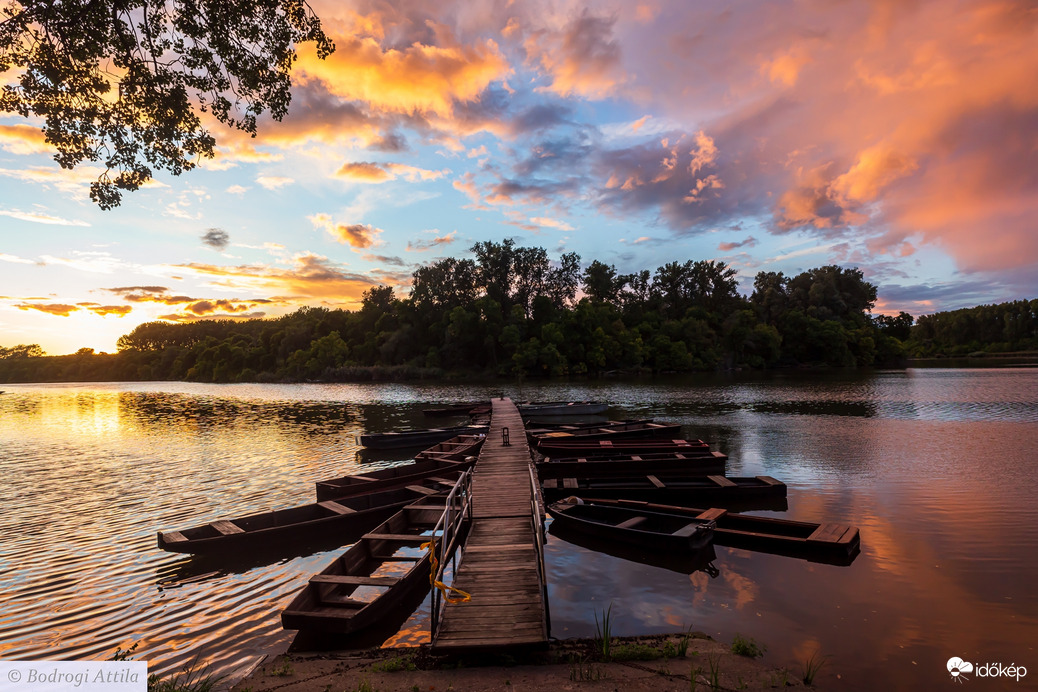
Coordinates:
498	565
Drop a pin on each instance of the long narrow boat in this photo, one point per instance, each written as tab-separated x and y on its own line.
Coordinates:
634	526
341	520
562	408
417	438
460	409
715	490
456	448
573	447
683	563
394	476
604	431
670	463
385	573
836	544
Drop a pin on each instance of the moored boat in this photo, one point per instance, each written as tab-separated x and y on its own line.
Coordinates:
678	490
441	470
573	447
830	543
634	526
417	438
456	448
610	430
669	463
458	409
562	408
385	573
340	520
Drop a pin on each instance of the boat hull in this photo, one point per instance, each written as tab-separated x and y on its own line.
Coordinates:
677	463
417	438
634	527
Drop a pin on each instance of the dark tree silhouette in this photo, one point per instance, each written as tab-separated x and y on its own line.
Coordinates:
117	81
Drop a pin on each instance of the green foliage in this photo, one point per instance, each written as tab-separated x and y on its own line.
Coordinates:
743	646
123	83
394	665
284	669
811	667
512	312
636	652
603	632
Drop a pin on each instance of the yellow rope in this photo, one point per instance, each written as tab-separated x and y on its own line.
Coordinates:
434	567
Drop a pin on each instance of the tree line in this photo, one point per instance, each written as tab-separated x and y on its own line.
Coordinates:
510	311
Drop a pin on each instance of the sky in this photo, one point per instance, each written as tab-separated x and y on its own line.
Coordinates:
896	136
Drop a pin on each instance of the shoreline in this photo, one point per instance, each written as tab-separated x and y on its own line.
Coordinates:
641	664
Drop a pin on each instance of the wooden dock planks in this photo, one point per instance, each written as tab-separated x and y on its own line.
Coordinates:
498	565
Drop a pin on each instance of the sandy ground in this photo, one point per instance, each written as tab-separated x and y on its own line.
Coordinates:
567	665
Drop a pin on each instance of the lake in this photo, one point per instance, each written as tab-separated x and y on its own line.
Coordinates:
937	468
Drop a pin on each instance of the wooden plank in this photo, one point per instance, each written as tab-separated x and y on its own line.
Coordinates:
631	523
173	537
722	481
687	530
353	580
570	483
769	480
336	507
656	481
225	527
401	537
713	514
827	533
422	489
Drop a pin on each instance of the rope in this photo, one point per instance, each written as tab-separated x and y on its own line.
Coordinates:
434	567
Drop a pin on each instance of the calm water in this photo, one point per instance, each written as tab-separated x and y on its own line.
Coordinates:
936	467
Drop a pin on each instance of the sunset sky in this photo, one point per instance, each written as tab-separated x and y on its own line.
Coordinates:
897	136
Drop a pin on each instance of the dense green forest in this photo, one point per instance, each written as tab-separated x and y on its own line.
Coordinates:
511	312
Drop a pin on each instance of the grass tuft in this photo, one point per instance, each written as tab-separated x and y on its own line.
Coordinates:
604	633
747	647
811	667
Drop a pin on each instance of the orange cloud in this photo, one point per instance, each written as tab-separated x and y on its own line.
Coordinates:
424	245
419	78
105	310
364	171
24	140
582	58
60	309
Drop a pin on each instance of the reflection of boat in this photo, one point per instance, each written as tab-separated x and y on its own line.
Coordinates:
673	463
687	563
678	490
634	525
417	438
610	430
385	568
574	447
835	544
344	518
562	408
460	409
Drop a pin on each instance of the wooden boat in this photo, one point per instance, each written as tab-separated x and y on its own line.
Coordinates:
562	408
682	563
418	438
679	490
575	447
456	448
383	574
634	526
668	463
341	520
460	409
835	544
611	430
441	470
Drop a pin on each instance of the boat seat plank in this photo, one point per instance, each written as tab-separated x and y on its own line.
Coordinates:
336	507
353	580
656	481
687	530
570	483
342	602
402	537
722	481
769	480
713	514
551	484
631	523
827	533
422	489
174	537
225	527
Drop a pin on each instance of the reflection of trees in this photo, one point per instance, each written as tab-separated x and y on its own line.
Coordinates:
162	410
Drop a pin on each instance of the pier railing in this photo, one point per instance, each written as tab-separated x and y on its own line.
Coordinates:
537	515
457	510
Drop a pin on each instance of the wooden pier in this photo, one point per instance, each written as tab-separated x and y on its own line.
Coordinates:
501	562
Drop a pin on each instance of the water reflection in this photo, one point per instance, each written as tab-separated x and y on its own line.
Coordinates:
936	468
